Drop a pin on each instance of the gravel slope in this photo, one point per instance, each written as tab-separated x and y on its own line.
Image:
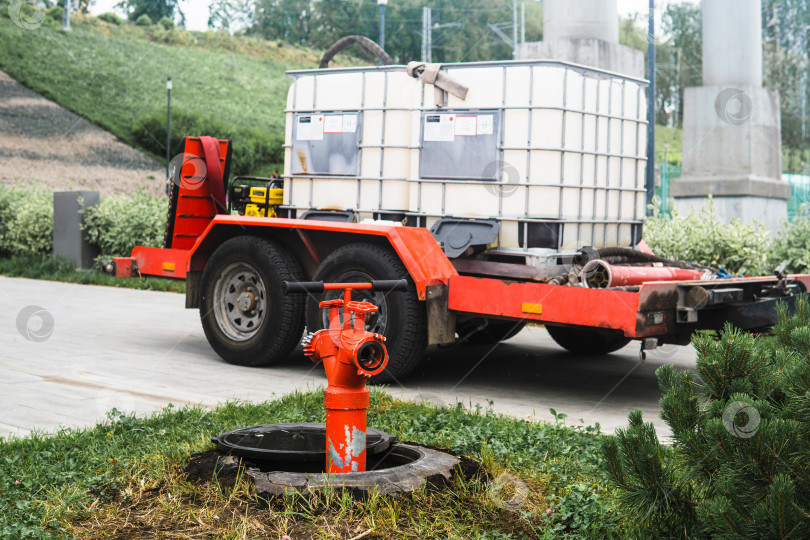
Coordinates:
42	143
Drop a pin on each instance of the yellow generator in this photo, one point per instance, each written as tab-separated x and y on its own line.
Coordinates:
253	196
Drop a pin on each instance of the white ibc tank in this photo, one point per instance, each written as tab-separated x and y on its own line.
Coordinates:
553	151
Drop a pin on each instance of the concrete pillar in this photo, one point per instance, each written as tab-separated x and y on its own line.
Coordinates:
732	43
69	240
584	32
575	19
732	147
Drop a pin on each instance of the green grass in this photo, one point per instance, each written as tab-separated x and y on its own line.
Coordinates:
52	269
125	478
115	75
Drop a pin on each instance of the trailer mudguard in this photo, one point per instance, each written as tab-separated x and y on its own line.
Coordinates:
415	246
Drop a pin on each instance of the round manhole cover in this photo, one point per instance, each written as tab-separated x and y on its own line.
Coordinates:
289	442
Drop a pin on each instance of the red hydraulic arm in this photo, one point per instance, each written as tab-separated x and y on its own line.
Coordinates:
198	196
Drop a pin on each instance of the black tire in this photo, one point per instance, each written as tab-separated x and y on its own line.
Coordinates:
401	317
494	332
241	267
591	341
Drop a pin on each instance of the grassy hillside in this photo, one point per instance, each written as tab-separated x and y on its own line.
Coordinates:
116	75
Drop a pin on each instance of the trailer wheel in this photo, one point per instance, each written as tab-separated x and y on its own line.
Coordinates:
494	332
246	317
401	317
591	341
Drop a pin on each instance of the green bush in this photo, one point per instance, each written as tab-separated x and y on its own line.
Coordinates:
739	466
701	237
792	245
143	20
252	148
111	18
121	222
171	35
26	221
166	23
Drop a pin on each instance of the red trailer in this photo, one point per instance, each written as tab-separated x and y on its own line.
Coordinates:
591	301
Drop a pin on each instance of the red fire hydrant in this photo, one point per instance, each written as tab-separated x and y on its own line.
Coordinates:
350	356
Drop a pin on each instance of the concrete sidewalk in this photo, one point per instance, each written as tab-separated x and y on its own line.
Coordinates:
114	348
102	348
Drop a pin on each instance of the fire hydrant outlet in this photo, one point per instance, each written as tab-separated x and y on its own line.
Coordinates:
370	356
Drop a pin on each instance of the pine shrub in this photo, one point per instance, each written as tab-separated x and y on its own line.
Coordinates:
739	465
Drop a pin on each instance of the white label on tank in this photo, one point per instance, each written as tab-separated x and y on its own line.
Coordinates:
440	127
485	124
466	126
333	123
349	123
310	128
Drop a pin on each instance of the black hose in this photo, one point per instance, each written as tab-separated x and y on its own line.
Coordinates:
363	41
632	256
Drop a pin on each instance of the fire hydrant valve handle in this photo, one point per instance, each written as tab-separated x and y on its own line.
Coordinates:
385	285
361	307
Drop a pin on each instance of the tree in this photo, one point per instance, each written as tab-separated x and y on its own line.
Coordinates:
786	33
155	9
683	26
461	26
739	466
232	14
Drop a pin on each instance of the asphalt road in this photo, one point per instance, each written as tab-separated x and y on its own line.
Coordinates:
70	353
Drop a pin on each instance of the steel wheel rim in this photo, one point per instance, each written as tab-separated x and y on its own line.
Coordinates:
375	322
240	301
